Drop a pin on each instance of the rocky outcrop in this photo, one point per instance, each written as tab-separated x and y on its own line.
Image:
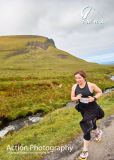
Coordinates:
43	45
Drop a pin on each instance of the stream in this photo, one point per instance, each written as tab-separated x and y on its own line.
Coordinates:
20	123
29	120
109	89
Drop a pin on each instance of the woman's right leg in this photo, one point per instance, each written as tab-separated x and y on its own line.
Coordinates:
86	141
87	135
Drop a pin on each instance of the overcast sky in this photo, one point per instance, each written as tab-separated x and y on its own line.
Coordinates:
84	28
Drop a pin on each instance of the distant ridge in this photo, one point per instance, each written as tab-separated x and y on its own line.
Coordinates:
38	54
35	40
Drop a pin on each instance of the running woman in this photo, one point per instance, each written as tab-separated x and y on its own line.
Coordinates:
86	94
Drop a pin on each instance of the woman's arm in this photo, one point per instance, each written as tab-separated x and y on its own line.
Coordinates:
97	90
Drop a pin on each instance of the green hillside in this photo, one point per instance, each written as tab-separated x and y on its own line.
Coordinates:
21	56
35	75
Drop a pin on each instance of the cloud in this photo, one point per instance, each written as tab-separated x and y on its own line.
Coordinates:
62	21
102	58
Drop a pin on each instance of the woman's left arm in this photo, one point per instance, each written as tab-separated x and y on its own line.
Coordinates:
97	90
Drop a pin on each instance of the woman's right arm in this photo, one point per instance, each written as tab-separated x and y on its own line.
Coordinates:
73	97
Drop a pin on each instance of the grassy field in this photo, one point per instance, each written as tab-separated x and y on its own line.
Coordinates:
57	128
33	79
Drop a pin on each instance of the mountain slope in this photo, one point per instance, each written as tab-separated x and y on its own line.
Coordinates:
35	75
36	54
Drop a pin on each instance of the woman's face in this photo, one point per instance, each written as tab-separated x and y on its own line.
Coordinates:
79	79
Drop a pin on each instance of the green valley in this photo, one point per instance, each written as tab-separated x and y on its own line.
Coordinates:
37	76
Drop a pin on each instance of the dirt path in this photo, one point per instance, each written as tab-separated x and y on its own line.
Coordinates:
105	149
97	151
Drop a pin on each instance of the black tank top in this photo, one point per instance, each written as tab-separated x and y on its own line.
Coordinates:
84	91
88	110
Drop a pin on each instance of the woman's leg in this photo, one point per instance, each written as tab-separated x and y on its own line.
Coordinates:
95	128
87	135
86	141
98	132
85	144
94	124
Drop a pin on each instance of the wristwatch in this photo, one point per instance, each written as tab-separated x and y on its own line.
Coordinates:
94	98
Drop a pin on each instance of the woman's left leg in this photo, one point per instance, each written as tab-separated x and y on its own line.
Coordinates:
98	132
